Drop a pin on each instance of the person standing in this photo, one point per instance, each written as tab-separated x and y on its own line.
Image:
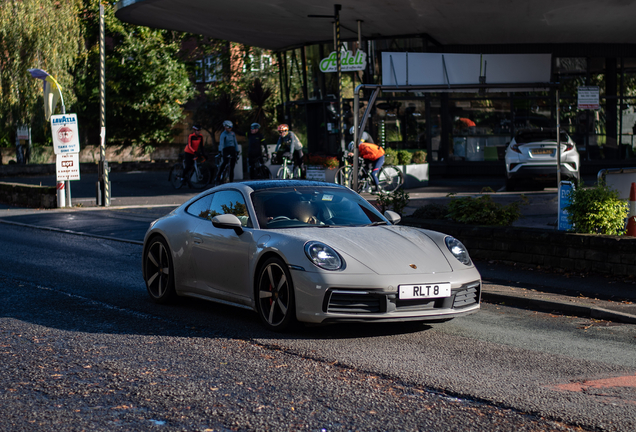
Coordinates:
194	148
289	142
228	147
255	140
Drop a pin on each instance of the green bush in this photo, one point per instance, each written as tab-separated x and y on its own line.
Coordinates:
597	210
404	157
484	211
396	201
431	211
419	157
390	156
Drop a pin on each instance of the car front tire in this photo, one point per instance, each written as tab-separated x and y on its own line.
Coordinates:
159	271
275	299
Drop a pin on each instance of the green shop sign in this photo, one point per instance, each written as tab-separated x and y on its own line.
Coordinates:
348	62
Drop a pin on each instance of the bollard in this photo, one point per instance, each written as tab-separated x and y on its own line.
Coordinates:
631	219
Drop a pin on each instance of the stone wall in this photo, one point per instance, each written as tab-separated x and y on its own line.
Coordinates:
542	248
28	195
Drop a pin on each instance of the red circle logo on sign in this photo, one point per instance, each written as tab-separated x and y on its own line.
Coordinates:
65	134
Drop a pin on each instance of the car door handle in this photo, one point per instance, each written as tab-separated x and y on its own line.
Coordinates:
197	240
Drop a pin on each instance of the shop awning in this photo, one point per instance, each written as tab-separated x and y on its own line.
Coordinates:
285	23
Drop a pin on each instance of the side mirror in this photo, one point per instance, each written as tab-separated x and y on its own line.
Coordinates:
228	221
393	217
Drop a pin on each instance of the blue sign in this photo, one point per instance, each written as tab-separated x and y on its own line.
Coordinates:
565	199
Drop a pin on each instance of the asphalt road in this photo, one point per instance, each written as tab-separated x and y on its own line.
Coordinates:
84	348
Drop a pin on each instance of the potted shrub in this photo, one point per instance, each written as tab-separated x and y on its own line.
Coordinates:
321	168
414	167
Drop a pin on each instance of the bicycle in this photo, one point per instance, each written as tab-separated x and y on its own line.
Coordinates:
200	176
390	177
225	175
260	170
285	171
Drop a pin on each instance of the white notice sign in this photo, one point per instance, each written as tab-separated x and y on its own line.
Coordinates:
65	133
67	166
588	98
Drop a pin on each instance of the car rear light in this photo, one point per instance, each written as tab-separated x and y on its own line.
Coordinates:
512	165
515	147
569	147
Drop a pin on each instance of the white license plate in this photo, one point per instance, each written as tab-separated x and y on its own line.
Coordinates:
425	291
542	151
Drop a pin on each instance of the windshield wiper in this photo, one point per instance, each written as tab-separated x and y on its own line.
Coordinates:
376	223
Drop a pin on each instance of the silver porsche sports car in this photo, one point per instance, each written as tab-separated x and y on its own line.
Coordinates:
306	251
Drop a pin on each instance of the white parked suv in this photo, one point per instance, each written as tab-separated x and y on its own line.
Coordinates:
531	158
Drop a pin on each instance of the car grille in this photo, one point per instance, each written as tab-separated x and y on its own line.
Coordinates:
364	302
355	302
467	295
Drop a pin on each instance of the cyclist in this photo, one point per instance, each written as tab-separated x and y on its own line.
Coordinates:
194	148
365	135
228	147
256	140
288	142
373	155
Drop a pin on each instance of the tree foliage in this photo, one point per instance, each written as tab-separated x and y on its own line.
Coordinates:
146	81
35	34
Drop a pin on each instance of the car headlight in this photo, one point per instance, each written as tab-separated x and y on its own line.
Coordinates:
323	256
458	250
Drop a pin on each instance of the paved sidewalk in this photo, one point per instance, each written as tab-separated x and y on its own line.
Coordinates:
141	197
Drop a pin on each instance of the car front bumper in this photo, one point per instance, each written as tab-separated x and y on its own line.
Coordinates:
328	298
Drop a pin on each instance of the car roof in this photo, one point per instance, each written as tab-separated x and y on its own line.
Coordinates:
531	135
274	184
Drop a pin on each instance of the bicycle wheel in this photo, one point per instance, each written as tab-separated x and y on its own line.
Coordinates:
390	178
284	172
263	172
200	177
176	176
343	176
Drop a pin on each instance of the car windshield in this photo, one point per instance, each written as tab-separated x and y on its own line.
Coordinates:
294	207
530	136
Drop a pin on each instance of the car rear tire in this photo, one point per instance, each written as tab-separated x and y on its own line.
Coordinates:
275	299
159	271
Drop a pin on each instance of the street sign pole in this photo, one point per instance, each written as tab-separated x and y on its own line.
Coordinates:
103	184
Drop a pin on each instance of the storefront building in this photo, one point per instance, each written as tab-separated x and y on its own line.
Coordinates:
468	126
590	45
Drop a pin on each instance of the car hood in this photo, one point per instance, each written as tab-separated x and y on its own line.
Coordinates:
382	249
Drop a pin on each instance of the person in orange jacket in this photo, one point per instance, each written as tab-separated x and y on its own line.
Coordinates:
192	150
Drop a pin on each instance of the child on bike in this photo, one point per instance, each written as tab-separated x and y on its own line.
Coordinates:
373	155
288	142
194	148
229	148
255	140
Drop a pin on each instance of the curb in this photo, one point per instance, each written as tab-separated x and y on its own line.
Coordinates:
572	309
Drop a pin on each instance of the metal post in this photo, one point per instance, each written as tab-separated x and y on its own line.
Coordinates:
339	69
558	130
103	195
356	137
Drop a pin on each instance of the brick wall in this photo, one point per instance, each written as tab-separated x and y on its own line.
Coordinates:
543	248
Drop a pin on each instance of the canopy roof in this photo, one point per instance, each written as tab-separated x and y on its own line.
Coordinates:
279	24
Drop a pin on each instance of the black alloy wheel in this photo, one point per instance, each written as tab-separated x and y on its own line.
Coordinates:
275	295
159	271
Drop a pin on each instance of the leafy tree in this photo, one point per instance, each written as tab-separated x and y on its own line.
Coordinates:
35	34
146	81
243	94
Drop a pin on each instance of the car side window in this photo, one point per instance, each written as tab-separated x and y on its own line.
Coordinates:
200	208
230	202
